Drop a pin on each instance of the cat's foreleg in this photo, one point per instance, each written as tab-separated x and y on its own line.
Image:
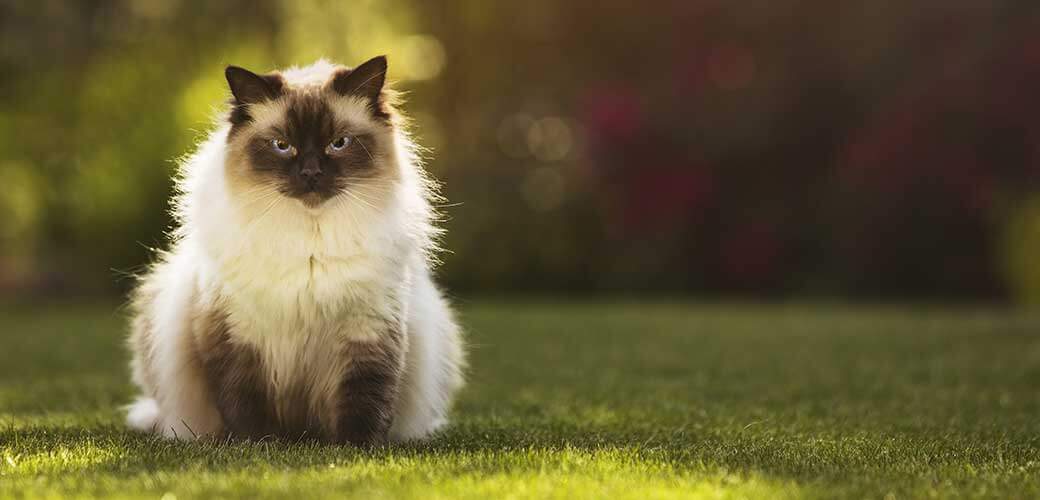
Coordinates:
373	363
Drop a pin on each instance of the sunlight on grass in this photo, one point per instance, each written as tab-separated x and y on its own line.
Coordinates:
61	459
564	473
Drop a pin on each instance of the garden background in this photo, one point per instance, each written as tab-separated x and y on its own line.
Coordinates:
888	150
699	248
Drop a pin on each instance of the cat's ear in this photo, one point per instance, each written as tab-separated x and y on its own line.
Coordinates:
364	81
251	88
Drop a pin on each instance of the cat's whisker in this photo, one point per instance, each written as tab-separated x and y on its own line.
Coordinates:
376	197
257	194
255	223
342	205
376	184
360	200
362	189
260	199
377	190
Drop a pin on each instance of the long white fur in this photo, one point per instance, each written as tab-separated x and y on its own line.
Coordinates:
289	277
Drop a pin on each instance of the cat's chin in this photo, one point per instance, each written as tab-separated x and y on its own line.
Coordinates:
312	201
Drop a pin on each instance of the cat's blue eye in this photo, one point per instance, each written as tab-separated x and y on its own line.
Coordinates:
338	145
282	147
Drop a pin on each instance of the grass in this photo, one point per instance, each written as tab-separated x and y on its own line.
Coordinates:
613	400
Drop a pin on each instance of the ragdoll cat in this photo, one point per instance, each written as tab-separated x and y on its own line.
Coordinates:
297	298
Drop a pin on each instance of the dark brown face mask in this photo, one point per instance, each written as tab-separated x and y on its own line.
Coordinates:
309	155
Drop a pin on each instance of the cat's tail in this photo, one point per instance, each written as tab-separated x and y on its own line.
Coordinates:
143	414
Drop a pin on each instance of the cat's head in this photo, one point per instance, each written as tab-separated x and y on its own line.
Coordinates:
310	133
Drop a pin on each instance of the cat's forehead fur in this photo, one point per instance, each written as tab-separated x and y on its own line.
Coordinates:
303	88
315	75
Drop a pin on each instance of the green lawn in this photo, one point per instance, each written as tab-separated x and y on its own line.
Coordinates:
587	400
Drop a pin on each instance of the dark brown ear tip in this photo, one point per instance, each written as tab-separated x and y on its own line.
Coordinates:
379	60
231	71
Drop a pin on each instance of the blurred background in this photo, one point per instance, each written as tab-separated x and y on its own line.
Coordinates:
883	150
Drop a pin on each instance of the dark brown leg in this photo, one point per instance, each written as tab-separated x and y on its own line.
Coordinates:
369	388
235	376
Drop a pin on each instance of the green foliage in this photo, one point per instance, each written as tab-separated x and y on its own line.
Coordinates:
618	400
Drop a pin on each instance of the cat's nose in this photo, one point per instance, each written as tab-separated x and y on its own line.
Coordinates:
311	169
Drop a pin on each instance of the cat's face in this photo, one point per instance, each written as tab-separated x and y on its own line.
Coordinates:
310	134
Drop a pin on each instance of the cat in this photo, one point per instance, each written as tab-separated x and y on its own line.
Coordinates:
297	299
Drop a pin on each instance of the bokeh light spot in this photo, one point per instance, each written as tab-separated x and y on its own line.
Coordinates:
422	57
20	202
550	139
